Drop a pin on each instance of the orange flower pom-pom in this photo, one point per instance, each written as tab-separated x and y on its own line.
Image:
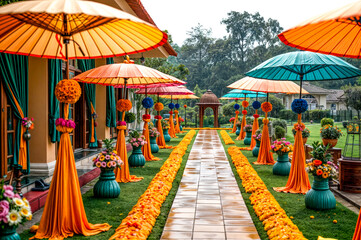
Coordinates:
68	91
265	121
158	106
244	112
237	112
266	107
124	105
245	103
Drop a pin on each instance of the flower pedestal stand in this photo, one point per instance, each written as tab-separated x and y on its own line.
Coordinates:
320	197
283	166
166	135
106	187
153	145
255	150
248	139
137	158
238	131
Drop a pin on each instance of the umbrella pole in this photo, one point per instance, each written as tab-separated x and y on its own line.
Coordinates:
267	96
301	78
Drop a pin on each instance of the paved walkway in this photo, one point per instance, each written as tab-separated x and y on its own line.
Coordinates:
208	204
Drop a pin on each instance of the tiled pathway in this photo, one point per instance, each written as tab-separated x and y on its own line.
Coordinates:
208	204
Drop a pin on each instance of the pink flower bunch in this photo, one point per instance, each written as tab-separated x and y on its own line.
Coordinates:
257	136
65	123
27	122
107	160
153	132
136	142
121	123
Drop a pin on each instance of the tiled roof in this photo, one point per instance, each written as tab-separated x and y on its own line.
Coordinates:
335	96
313	89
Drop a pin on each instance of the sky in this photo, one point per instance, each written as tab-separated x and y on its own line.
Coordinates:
179	16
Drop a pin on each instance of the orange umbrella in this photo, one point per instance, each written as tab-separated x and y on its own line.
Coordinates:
176	97
337	32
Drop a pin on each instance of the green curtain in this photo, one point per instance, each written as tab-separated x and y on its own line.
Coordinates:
55	76
111	116
14	74
89	89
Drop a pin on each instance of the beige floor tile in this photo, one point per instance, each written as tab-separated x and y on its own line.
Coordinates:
209	228
177	235
205	235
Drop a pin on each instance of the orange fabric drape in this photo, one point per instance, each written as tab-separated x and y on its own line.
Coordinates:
265	157
64	213
177	128
298	181
242	133
254	129
146	147
357	233
171	130
122	174
160	139
93	135
234	129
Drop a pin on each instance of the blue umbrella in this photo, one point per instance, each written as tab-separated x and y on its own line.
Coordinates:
308	66
237	93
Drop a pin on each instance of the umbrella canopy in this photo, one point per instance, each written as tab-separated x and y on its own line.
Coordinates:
337	32
309	66
176	97
136	76
176	90
267	86
88	29
238	93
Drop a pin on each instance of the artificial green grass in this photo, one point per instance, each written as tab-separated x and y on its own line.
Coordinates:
99	211
294	204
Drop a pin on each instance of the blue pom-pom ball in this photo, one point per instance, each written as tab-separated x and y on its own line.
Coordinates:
177	105
299	106
236	106
171	105
147	102
256	105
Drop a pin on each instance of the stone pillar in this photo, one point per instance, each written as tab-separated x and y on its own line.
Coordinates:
201	112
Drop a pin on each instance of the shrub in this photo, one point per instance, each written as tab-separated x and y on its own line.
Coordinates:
316	115
279	122
249	120
280	132
288	115
326	121
129	117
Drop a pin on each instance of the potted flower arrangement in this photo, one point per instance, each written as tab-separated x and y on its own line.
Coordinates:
305	134
257	136
153	134
165	126
320	197
283	166
238	125
107	161
14	211
180	119
137	141
248	138
231	120
330	135
28	123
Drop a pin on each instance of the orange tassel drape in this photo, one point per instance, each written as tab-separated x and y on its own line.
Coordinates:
160	139
146	147
265	157
242	133
357	233
64	213
298	181
234	129
171	130
122	174
254	129
93	135
177	128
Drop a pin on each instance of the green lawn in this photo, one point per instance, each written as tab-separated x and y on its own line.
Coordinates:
98	211
294	204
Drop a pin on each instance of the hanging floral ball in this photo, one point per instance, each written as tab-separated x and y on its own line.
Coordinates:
147	102
256	105
158	117
245	103
244	112
185	106
236	106
177	105
124	105
158	106
266	107
237	112
171	105
170	112
68	91
146	116
299	106
256	115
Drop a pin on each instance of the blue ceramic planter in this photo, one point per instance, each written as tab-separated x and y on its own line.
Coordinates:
248	139
255	150
166	135
153	145
238	131
137	158
320	197
283	166
106	187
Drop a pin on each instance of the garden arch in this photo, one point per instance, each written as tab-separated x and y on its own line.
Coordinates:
208	100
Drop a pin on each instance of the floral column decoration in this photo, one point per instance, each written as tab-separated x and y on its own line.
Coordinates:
160	139
147	103
64	213
242	134
265	157
171	123
236	107
298	181
256	105
177	128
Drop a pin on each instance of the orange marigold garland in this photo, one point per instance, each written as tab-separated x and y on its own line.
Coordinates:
68	91
124	105
158	106
266	107
245	103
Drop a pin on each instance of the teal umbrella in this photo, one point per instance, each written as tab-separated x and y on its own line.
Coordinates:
237	93
307	66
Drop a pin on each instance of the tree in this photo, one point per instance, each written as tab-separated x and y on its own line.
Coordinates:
353	98
277	106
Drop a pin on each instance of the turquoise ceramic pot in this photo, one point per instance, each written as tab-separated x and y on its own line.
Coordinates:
106	187
9	233
180	127
255	150
137	158
248	139
320	197
283	166
166	135
153	145
238	131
